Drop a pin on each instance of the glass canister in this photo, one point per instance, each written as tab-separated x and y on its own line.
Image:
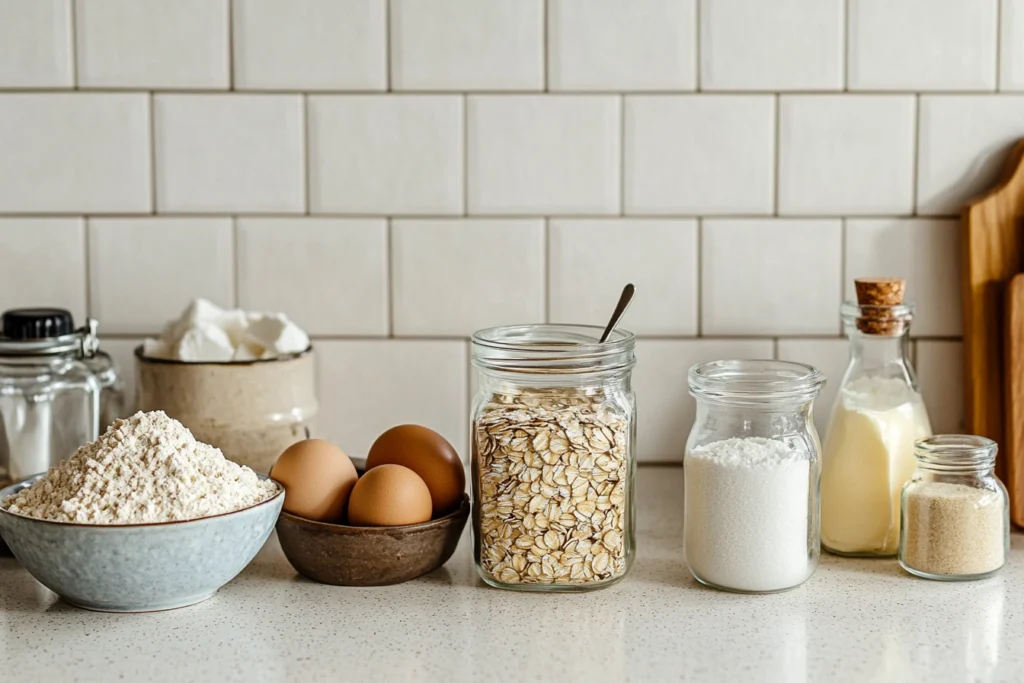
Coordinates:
955	512
878	414
751	473
554	457
49	396
113	401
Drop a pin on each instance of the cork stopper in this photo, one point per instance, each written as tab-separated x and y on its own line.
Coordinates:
876	297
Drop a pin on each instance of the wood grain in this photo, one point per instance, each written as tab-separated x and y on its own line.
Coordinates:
1012	448
992	256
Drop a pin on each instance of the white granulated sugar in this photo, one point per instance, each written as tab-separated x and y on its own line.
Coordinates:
747	514
146	468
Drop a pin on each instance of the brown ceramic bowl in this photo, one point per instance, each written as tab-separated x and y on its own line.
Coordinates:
343	555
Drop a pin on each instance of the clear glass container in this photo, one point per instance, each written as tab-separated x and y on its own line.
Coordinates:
49	396
553	457
869	446
751	473
955	511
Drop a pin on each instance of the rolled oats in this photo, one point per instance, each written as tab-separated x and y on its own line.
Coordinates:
552	487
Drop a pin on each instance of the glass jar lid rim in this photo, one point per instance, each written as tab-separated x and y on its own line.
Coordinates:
956	450
851	310
550	347
755	378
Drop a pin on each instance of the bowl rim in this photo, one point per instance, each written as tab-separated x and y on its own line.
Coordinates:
5	493
174	361
462	510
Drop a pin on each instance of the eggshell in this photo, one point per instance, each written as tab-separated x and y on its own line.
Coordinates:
389	495
317	477
429	455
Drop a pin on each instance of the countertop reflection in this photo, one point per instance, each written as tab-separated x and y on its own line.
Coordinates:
855	620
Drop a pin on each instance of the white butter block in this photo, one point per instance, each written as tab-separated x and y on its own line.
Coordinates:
206	342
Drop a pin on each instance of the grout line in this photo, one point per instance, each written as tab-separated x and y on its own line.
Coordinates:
231	44
306	163
776	170
697	30
915	161
545	33
387	46
465	155
73	41
642	337
152	154
846	45
213	91
622	155
479	216
235	258
390	270
999	44
547	270
86	232
700	277
842	268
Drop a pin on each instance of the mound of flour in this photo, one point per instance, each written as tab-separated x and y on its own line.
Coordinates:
146	468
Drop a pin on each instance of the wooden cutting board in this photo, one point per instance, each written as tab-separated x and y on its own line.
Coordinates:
992	247
1013	376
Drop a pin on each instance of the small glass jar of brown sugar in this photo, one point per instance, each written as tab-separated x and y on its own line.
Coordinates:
955	512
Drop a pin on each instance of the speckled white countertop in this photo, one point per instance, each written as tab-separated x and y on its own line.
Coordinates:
855	620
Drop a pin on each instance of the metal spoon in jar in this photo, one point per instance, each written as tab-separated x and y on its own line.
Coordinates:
620	308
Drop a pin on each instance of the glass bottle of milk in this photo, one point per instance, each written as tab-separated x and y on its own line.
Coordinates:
869	446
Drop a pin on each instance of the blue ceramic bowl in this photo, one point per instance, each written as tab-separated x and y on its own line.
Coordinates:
138	567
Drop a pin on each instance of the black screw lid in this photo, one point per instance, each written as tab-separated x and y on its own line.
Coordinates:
37	323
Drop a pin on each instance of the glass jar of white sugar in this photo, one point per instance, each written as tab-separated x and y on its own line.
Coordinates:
956	519
752	472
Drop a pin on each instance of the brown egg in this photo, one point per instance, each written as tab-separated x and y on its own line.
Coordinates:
317	477
429	455
389	495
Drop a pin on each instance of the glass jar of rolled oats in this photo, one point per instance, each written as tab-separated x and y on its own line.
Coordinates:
554	433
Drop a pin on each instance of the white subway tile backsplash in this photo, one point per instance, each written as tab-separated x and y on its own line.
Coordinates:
778	45
770	276
922	44
35	44
939	366
963	145
846	154
310	44
153	44
229	153
537	154
665	409
42	264
453	277
592	259
625	46
74	153
467	45
386	154
517	160
329	274
925	251
143	272
699	154
367	387
830	356
1011	58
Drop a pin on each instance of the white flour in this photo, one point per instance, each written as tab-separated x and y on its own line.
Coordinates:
746	524
146	468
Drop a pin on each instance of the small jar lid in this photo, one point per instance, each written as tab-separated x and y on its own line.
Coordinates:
24	324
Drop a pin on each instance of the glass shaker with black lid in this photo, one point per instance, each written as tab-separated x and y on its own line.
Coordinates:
49	393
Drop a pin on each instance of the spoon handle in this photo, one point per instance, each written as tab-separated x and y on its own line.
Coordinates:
620	308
